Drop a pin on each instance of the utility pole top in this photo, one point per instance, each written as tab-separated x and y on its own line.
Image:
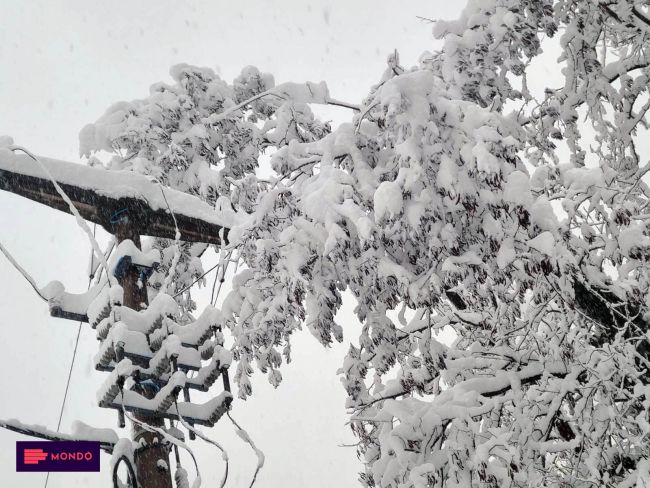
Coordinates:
147	346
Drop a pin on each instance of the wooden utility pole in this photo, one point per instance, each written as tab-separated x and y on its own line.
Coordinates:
126	205
149	458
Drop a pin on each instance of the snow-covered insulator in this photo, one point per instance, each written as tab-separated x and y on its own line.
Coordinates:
133	399
163	404
169	351
167	394
159	364
207	375
206	414
167	401
161	309
206	350
101	306
108	394
220	406
202	329
114	383
157	337
104	327
137	349
105	355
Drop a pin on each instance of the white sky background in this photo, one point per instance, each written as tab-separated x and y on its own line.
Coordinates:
61	65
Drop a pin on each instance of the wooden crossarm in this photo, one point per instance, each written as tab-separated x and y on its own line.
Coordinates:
102	198
207	414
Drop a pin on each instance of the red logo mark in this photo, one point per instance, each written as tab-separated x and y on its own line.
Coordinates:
34	456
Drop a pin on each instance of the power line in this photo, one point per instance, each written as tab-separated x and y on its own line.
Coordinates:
67	386
74	355
196	280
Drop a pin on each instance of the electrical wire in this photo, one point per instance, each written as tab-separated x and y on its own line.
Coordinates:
102	259
196	280
133	480
73	210
171	439
74	355
246	438
22	271
199	434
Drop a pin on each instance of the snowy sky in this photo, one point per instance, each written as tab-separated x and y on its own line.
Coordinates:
61	65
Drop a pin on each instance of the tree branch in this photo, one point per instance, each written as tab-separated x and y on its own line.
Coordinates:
639	15
490	387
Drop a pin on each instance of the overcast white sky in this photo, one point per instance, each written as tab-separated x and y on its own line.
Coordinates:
61	65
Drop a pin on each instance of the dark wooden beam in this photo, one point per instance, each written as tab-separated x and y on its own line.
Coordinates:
144	414
100	207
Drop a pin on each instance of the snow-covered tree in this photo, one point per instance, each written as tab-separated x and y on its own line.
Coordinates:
457	203
192	136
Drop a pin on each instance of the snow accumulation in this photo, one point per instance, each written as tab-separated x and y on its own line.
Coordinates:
544	243
84	431
206	414
147	320
198	331
305	93
127	248
120	184
123	447
388	200
633	238
506	253
100	307
207	375
110	388
517	189
79	303
80	432
308	92
136	346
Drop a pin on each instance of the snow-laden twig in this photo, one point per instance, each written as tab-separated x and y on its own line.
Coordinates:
80	220
201	435
338	103
274	93
246	438
231	110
